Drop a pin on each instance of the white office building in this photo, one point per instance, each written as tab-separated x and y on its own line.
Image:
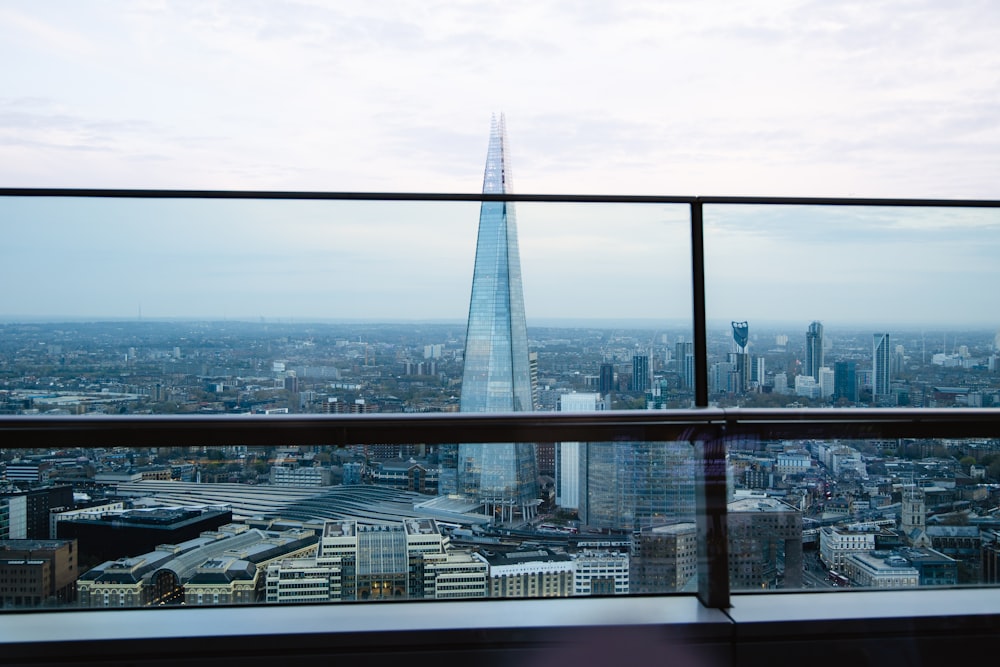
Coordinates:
568	453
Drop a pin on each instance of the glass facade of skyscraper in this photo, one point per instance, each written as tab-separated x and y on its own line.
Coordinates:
880	369
814	350
496	375
634	485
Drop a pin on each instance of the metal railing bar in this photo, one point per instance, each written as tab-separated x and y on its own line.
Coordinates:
506	197
852	201
699	322
346	196
30	432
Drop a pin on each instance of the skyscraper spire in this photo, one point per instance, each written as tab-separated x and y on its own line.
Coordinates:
496	376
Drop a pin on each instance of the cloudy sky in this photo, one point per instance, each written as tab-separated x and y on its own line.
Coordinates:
876	99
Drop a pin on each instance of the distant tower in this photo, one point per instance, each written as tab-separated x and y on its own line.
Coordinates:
814	350
845	380
741	334
912	520
606	382
640	372
496	377
880	369
740	359
533	374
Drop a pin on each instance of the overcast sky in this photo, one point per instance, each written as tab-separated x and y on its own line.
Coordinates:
878	99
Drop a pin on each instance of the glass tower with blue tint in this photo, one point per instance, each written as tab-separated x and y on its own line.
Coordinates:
496	376
627	486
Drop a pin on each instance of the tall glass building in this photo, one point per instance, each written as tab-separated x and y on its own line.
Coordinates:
814	350
496	376
881	391
627	486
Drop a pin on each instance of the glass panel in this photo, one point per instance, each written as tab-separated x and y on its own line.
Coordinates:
142	527
840	514
199	307
813	306
852	306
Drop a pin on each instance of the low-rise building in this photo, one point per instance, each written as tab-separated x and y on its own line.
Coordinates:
300	476
218	567
836	543
540	573
880	569
37	572
600	573
765	543
664	558
454	575
407	559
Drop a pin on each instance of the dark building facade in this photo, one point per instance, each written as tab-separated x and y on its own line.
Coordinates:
845	380
120	534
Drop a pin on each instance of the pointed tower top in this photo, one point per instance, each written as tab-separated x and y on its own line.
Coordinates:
497	177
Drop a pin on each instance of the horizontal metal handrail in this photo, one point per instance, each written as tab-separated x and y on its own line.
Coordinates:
506	197
27	432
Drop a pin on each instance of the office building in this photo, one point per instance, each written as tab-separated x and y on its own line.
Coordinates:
14	517
845	380
37	572
627	486
881	358
606	381
826	382
739	359
398	560
496	375
116	534
539	573
568	453
38	504
454	575
814	350
836	543
640	373
664	558
288	475
879	569
600	573
765	544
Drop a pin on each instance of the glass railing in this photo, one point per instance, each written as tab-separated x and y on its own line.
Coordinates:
253	398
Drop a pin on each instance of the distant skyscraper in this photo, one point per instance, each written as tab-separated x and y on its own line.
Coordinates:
741	334
881	358
740	358
640	373
814	350
827	382
688	378
607	379
496	376
845	380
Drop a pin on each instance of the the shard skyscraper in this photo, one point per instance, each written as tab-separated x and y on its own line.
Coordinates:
496	376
